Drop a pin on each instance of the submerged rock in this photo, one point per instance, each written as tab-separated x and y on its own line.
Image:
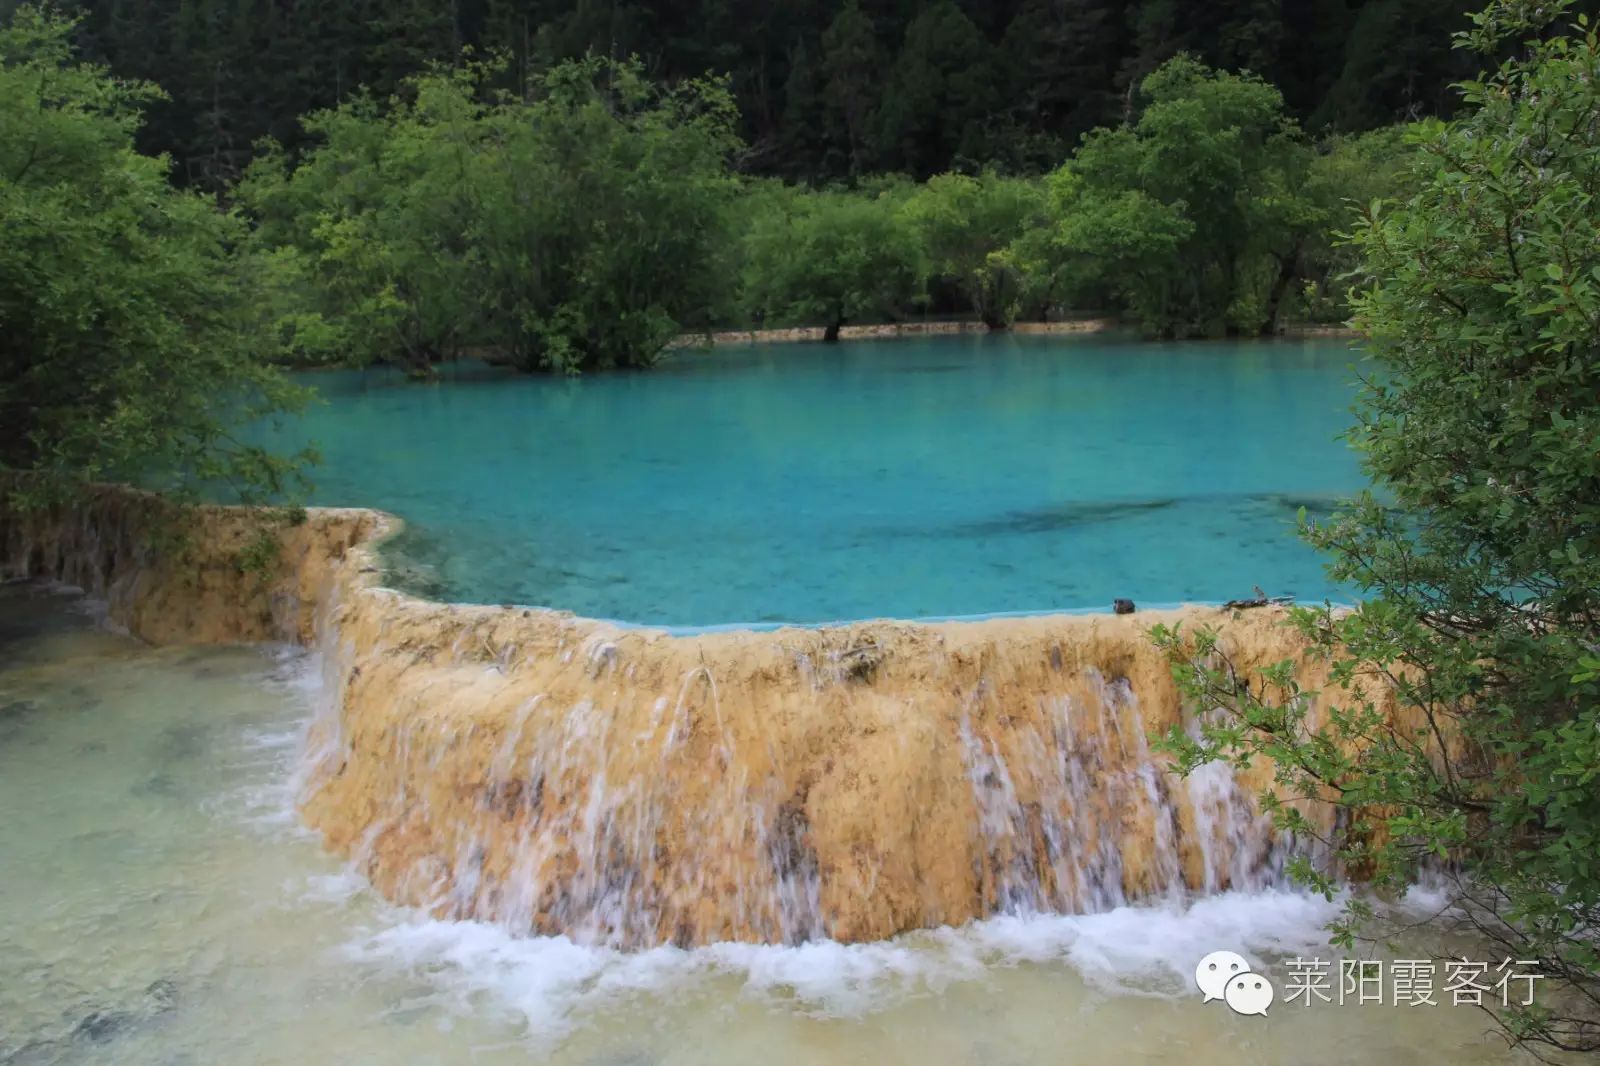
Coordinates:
15	718
102	1025
162	994
158	784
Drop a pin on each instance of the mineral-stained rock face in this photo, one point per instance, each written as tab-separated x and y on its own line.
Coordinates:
630	787
176	575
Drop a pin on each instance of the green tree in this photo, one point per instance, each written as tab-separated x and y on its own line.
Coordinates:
1235	35
1303	205
1108	244
129	349
1346	173
967	224
809	139
381	216
604	218
1189	213
1479	560
237	70
937	106
1060	59
852	65
830	256
1312	56
583	227
1398	64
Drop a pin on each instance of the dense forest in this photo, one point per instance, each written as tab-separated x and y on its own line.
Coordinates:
566	186
825	89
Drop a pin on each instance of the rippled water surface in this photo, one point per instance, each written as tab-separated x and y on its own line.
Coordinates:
159	905
804	482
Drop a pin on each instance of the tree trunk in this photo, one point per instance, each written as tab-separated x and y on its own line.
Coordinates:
419	363
1288	270
989	300
831	333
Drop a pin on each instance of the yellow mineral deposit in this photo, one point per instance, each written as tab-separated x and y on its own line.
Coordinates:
630	787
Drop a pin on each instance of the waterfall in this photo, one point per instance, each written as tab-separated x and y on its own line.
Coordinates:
629	788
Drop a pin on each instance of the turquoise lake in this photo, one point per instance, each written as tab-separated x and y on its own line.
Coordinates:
943	477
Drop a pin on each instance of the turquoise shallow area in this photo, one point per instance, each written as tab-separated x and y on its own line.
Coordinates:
805	483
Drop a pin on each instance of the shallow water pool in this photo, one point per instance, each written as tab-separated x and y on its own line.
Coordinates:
160	905
937	477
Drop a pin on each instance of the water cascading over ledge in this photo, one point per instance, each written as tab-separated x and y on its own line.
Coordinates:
630	787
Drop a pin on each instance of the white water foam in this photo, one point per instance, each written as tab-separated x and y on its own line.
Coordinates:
549	984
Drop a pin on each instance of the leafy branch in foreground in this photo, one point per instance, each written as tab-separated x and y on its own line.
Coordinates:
1458	733
128	349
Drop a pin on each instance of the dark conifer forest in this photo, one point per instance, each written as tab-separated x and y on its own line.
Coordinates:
826	89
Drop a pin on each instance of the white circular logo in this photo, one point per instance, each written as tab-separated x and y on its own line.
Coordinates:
1226	975
1248	993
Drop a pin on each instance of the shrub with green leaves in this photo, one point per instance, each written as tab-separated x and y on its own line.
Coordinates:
129	345
373	229
967	224
831	257
1192	217
1478	559
577	228
604	215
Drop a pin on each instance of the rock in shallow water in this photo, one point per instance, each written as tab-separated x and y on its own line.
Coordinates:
102	1025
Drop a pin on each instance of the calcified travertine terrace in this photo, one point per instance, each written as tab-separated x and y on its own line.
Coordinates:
630	787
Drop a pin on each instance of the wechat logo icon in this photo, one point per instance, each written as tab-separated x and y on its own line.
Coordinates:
1226	975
